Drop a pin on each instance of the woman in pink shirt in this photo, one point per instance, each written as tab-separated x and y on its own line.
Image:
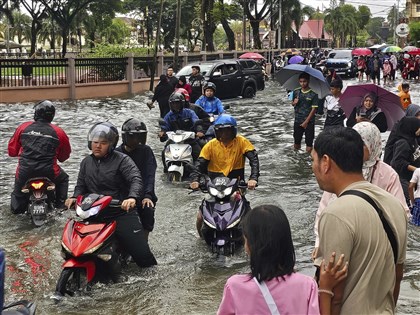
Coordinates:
273	287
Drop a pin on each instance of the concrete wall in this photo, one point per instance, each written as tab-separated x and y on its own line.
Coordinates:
89	90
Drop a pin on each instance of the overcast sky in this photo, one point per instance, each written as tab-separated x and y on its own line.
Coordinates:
377	7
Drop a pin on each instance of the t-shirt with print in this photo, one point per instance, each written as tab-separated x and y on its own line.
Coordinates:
307	101
416	179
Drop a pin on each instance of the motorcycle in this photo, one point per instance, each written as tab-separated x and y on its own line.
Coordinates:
222	210
89	248
22	307
178	154
41	198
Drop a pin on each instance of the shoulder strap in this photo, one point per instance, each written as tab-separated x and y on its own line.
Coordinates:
268	297
387	227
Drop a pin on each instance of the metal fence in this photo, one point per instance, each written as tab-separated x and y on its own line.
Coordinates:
27	72
90	70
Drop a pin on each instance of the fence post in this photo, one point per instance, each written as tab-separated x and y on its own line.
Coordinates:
203	55
221	54
184	56
71	77
159	63
130	72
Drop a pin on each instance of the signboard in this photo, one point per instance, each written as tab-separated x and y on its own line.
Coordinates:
402	30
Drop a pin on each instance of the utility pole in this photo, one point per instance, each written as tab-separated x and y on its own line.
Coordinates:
279	33
177	26
157	45
244	28
8	30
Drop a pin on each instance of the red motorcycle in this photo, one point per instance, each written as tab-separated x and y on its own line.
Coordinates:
41	198
89	247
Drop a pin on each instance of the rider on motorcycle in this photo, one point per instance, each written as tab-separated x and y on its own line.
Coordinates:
180	118
134	134
225	156
113	173
39	144
210	103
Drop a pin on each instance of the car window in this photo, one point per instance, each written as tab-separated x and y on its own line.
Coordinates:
204	69
229	69
340	54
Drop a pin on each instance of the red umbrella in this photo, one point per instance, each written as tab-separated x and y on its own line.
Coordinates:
414	51
361	52
409	48
251	55
387	101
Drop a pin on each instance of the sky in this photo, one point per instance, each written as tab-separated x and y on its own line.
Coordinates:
377	7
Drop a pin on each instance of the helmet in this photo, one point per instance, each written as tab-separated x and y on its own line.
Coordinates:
44	110
106	131
176	102
133	129
185	93
210	85
226	121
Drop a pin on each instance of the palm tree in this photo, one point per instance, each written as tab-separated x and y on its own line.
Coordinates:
21	27
333	18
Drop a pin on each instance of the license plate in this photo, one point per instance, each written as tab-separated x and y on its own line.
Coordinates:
38	209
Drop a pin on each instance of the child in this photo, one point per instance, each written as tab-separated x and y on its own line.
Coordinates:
404	94
386	71
273	286
210	103
415	196
334	112
305	103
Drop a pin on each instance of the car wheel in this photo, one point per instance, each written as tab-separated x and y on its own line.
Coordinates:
249	92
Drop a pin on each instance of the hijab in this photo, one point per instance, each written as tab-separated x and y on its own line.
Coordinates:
374	110
183	79
371	137
412	110
163	79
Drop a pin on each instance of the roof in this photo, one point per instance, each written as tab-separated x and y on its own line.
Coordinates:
312	29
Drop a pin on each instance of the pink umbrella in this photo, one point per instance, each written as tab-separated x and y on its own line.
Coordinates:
387	101
361	52
409	48
251	55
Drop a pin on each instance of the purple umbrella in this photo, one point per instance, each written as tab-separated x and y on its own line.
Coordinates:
387	101
295	59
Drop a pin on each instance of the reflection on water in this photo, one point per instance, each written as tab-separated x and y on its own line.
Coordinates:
188	279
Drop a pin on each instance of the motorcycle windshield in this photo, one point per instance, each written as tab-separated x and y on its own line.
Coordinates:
180	136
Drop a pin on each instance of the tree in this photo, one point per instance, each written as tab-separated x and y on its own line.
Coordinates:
256	17
38	13
415	32
374	27
21	26
117	32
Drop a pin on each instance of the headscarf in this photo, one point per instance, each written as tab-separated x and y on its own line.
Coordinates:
163	79
374	110
412	110
371	137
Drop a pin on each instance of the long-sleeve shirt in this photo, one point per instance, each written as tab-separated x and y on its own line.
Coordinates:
210	105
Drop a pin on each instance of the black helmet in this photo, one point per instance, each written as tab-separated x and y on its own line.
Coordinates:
210	85
44	110
176	102
134	129
103	130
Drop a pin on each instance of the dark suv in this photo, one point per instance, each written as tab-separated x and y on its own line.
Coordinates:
342	61
233	77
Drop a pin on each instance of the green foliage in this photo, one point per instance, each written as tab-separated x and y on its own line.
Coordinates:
374	26
415	32
361	38
117	32
108	50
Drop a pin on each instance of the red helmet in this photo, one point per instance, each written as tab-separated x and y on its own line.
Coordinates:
185	93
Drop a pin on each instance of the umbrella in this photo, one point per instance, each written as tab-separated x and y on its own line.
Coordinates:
409	48
391	49
251	55
295	59
289	79
361	52
414	51
387	101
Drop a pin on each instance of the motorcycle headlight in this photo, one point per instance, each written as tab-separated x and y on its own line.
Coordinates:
213	191
88	213
105	257
233	224
228	191
209	224
93	249
65	248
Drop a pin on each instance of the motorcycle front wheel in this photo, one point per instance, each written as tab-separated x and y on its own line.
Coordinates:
174	177
71	280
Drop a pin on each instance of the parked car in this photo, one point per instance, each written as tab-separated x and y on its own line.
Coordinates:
342	61
233	78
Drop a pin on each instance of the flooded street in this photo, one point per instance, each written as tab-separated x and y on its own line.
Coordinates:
188	278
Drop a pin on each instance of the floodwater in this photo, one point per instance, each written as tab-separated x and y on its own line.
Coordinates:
189	279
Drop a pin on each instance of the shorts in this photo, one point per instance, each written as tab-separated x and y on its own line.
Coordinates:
309	132
147	217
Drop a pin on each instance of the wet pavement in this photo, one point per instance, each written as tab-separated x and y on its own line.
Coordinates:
189	279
